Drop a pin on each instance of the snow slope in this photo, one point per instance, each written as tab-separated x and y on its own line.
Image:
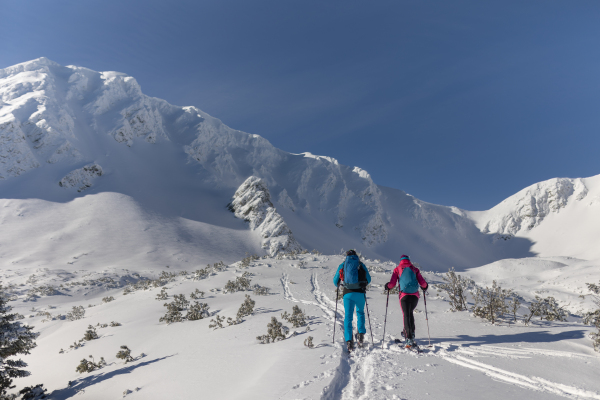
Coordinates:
469	359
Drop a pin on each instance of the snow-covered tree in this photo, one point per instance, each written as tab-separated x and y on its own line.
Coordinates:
86	365
593	317
173	314
90	334
197	311
15	339
76	313
197	294
308	342
163	295
547	308
125	354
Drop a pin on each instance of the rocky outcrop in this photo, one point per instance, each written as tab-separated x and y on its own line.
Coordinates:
252	203
81	178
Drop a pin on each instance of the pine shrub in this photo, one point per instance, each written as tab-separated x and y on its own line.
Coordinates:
275	332
217	322
240	284
88	366
180	301
308	342
163	295
76	313
113	324
15	338
246	309
547	308
297	319
107	299
196	294
90	334
260	290
456	286
197	311
490	303
172	315
125	354
593	317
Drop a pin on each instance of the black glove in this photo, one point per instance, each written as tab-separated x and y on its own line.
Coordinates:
425	289
387	286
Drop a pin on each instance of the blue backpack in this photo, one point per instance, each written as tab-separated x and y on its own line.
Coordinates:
350	269
408	281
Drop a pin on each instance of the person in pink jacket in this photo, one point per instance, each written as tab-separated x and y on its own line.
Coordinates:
410	280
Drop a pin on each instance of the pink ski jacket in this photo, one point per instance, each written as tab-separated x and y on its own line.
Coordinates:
398	272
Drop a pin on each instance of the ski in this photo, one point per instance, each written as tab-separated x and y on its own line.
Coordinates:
414	348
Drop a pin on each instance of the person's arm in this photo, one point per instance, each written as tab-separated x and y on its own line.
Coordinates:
367	275
393	280
336	278
422	282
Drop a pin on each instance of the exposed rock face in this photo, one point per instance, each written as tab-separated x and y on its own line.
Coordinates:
252	203
83	178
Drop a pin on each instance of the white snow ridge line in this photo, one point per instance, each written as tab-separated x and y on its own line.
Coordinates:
533	382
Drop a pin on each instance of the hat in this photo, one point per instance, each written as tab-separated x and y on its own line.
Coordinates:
404	257
351	252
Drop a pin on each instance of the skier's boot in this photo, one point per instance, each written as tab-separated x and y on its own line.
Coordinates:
360	338
407	343
350	345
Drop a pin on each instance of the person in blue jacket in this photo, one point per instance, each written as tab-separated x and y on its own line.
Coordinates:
354	277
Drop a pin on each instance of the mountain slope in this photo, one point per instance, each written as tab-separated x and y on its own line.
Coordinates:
67	133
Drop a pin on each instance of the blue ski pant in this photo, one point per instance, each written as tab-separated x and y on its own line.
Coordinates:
352	300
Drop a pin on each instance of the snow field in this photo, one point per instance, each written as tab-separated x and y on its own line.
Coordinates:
469	359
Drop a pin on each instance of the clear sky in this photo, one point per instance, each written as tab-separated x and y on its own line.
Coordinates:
456	102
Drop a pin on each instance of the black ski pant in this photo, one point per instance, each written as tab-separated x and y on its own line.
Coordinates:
408	305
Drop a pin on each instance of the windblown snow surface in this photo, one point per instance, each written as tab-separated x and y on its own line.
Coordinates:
102	187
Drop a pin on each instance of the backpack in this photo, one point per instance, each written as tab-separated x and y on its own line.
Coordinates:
350	273
408	281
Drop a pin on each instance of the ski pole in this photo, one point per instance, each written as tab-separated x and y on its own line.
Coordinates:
337	295
385	321
426	317
368	316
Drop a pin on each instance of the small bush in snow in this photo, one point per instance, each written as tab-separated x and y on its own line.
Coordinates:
246	309
547	308
113	323
180	301
514	307
90	334
456	286
490	303
88	366
308	342
297	319
248	259
125	354
260	290
172	315
394	290
197	294
217	322
107	299
197	311
275	332
241	283
76	313
316	252
33	392
163	295
376	268
593	317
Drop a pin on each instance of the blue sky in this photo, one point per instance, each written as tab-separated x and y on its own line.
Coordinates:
457	102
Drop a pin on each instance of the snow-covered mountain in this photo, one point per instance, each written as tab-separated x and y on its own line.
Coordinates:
81	142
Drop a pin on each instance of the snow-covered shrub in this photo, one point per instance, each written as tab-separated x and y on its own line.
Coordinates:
113	324
456	286
15	338
197	294
107	299
376	268
76	313
200	274
33	392
275	332
245	263
197	311
88	366
514	307
260	290
172	315
125	354
297	319
217	322
593	317
180	301
547	308
308	342
241	283
490	303
163	295
316	252
90	334
246	309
